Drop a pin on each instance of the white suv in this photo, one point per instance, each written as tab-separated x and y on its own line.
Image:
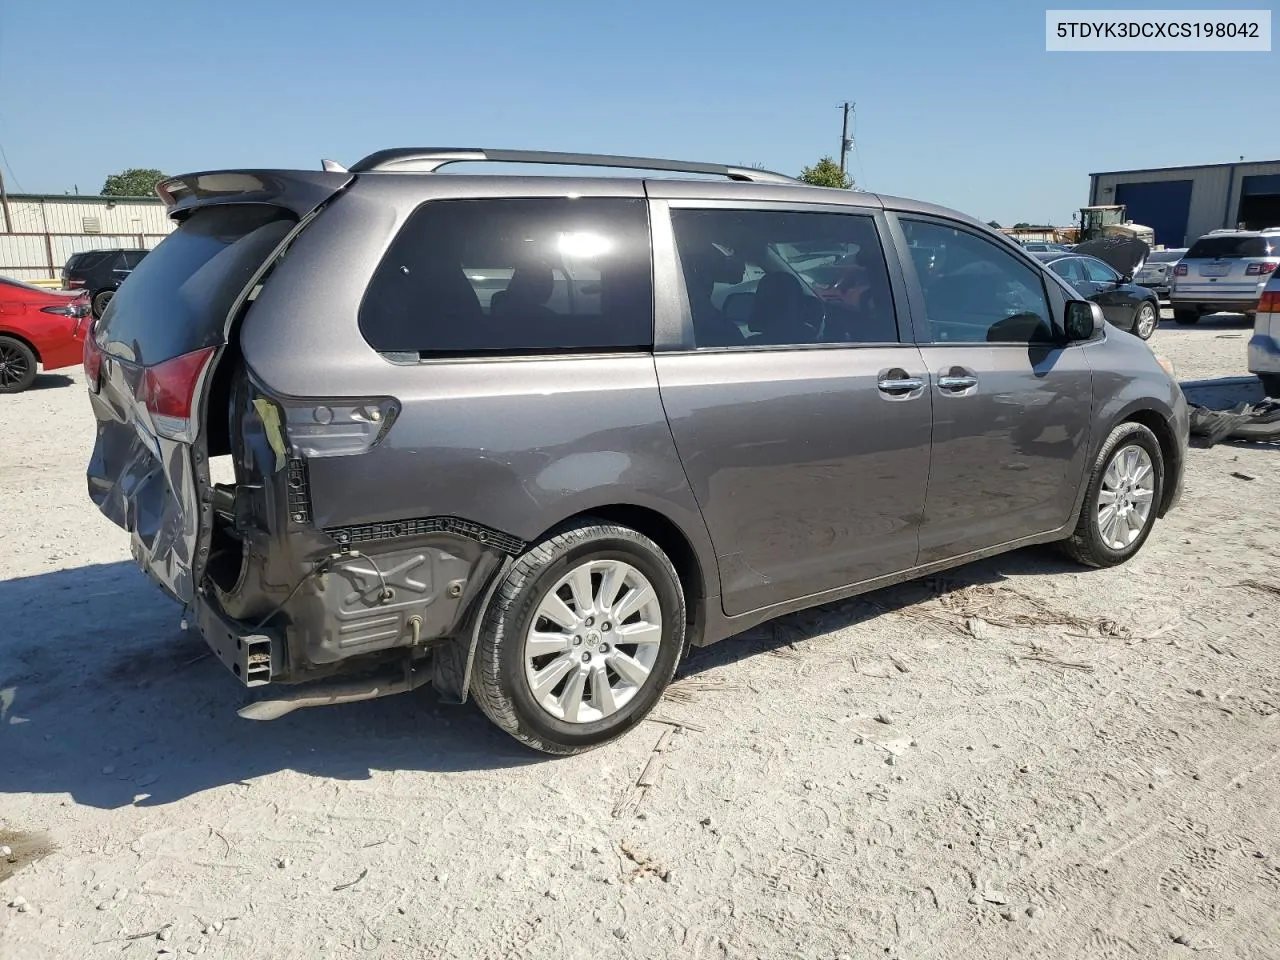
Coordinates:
1264	348
1224	271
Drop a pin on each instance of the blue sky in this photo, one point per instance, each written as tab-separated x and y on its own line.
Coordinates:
956	103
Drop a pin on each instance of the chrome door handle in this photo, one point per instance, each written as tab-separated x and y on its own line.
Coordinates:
957	383
901	384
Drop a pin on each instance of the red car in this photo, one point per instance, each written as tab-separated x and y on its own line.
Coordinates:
44	327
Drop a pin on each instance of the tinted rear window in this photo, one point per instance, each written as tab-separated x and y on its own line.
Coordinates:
1165	256
510	276
1232	247
178	298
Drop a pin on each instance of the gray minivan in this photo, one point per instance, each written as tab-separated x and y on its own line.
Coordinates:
530	437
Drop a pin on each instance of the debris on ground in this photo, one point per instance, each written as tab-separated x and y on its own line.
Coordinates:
1258	422
644	865
969	610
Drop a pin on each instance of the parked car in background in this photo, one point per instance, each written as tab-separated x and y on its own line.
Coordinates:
99	273
1225	270
543	494
1156	273
1124	303
1264	346
1043	246
38	328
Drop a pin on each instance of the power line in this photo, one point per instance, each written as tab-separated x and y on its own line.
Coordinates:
9	166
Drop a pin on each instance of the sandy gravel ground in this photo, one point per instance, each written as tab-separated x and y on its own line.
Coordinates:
1018	759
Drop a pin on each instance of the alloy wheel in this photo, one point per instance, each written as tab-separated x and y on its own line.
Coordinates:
1126	497
594	640
1146	324
14	367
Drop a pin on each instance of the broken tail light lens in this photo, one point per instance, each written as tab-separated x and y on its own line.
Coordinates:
338	428
92	361
1259	269
1180	270
168	391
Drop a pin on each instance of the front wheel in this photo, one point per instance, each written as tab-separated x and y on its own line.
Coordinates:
581	638
1122	499
1145	323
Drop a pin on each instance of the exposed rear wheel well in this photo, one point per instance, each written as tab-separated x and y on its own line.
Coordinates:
31	346
1158	425
673	543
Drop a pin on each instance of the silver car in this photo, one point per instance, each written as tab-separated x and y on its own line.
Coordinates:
1156	273
1224	271
382	427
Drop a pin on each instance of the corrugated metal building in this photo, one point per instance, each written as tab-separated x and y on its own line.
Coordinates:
44	230
1183	203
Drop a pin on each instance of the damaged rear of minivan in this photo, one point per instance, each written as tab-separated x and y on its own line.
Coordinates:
207	469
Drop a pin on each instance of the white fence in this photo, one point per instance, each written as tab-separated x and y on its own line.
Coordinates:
40	256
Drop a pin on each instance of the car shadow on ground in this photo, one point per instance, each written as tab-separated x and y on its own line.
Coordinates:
50	381
1212	321
805	625
103	697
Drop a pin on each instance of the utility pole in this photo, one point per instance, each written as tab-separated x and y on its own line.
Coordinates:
4	203
845	142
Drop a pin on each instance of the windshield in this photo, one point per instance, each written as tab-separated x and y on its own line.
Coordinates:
1233	247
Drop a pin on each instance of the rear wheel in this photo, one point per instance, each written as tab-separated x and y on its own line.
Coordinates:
1186	317
1122	499
100	301
1145	323
581	638
1270	384
17	365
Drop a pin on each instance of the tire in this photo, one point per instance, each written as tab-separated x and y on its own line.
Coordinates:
1087	544
1186	318
1146	320
100	301
1270	384
502	679
18	365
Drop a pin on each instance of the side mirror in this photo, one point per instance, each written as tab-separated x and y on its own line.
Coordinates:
1083	321
1124	278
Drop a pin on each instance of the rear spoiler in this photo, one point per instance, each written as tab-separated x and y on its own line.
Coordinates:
299	191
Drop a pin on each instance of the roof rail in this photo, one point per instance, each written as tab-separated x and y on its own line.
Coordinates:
430	159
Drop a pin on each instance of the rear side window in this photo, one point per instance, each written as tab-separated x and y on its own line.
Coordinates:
178	298
1219	248
514	276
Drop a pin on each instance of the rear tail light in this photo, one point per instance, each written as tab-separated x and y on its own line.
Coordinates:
68	310
74	284
1259	269
92	361
168	390
1180	270
1270	302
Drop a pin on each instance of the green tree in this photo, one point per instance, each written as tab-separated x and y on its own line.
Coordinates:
134	182
993	225
827	173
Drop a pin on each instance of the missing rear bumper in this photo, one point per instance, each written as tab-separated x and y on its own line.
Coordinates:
253	657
